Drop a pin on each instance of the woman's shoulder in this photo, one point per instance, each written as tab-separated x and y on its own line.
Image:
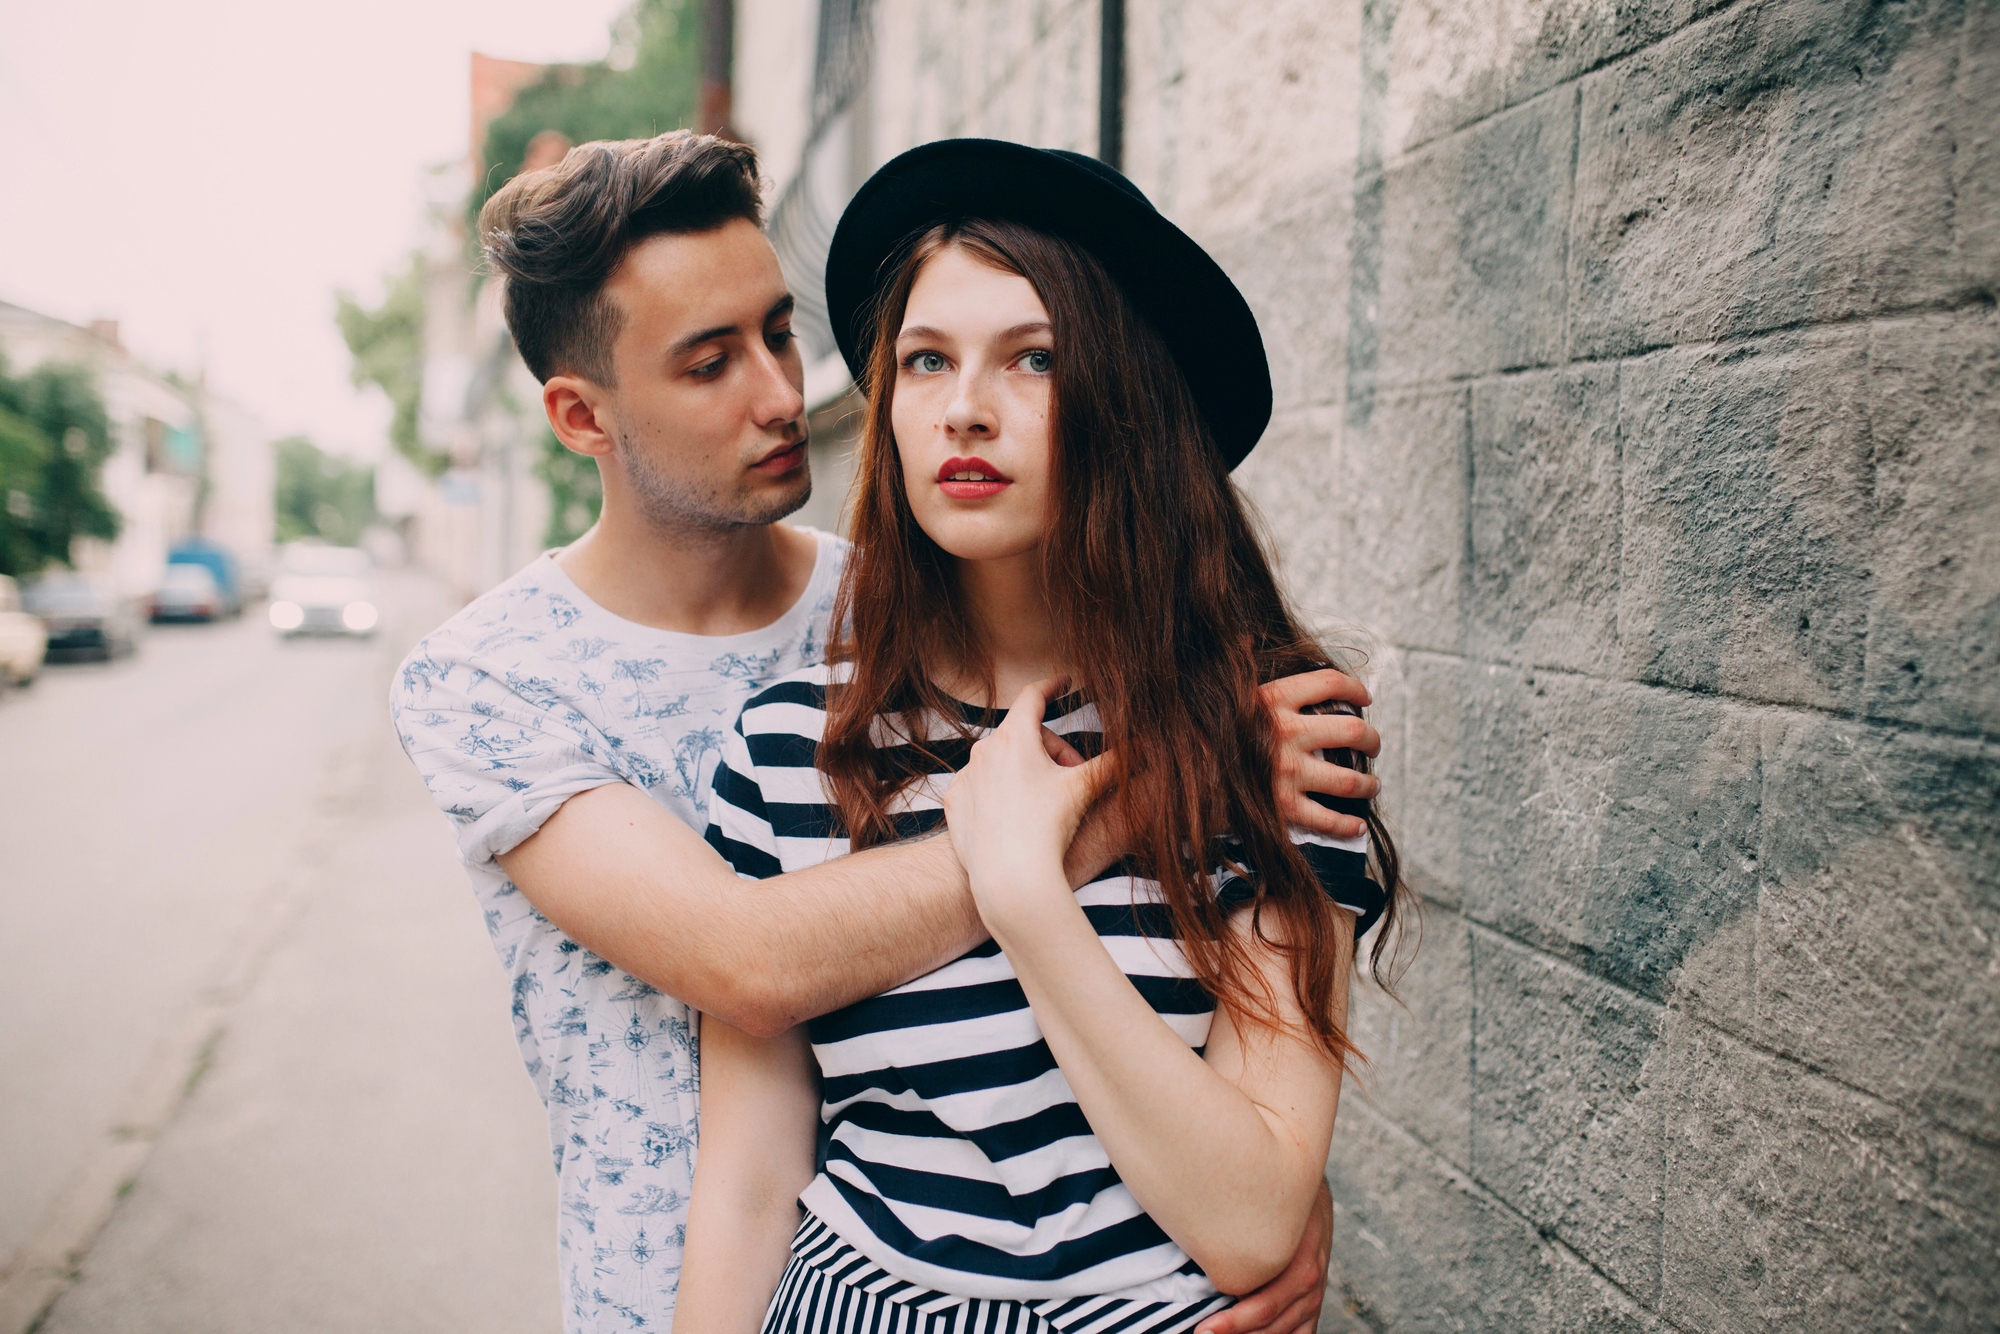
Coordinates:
803	689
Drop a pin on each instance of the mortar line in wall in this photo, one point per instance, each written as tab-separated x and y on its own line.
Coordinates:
1576	77
1694	692
1493	1199
1669	1007
1730	342
1569	222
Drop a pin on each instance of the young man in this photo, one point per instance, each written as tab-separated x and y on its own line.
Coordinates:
568	721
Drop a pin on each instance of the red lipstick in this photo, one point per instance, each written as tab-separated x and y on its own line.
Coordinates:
971	479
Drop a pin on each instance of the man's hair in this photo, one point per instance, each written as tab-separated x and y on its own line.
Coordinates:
557	234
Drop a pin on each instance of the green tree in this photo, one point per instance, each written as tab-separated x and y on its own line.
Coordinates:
320	495
650	84
576	491
387	344
54	438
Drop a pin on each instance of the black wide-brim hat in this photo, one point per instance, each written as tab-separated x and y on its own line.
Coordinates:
1183	293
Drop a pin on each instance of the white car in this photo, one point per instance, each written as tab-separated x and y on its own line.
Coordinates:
322	590
24	640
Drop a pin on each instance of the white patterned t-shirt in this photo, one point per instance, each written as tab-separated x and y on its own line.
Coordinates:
530	695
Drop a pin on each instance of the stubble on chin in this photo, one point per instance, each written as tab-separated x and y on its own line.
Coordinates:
674	504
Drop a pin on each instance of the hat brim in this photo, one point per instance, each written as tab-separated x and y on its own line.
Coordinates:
1171	280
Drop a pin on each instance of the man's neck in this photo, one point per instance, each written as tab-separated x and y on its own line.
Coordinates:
707	581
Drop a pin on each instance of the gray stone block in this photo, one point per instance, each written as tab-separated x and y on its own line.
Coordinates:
1291	482
1616	826
1976	165
1402	520
1417	1044
1472	261
1795	1203
1551	41
1934	617
1420	1247
1774	165
1748	532
1439	777
1567	1107
1878	938
1293	271
1545	520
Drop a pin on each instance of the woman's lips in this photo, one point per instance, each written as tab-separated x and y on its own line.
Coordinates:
971	479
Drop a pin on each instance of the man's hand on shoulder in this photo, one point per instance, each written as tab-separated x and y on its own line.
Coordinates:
1298	768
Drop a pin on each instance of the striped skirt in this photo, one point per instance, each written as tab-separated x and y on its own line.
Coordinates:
831	1288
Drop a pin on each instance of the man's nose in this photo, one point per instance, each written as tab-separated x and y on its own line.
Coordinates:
778	401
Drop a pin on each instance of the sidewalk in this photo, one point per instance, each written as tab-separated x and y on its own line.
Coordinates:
361	1149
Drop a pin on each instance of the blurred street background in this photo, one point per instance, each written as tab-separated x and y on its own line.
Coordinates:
1636	369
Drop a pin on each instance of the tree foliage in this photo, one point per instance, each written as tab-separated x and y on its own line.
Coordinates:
387	344
576	491
651	83
54	438
320	495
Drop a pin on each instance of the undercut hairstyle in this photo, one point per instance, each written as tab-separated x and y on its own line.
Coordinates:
557	235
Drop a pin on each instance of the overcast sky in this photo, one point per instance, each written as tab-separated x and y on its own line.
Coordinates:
208	172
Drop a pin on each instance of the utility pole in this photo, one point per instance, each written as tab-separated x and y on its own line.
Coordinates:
718	47
1111	84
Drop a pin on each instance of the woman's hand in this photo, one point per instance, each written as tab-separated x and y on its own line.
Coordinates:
1014	808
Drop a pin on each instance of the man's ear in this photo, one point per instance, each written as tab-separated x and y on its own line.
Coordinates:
574	406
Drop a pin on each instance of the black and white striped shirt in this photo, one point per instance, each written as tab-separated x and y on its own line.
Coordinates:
953	1153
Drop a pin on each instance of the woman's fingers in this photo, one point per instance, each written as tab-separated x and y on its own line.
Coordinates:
1308	688
1060	750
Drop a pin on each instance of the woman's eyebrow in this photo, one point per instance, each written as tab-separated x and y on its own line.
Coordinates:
1018	331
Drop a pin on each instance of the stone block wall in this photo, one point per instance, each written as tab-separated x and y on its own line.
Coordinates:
1638	377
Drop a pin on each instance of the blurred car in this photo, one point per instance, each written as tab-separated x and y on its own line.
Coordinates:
85	616
321	590
220	562
24	640
188	593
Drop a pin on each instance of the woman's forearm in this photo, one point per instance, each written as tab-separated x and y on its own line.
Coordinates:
1230	1180
760	1106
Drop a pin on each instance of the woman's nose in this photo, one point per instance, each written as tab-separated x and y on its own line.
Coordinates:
967	412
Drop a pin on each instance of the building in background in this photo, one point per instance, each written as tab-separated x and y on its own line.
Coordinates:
186	462
1636	370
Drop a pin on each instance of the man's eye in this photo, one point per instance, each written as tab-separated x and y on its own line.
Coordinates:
782	339
927	363
1039	360
708	370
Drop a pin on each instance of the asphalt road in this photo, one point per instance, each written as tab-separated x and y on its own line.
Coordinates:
250	1012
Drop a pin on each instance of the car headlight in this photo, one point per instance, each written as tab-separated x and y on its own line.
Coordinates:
287	615
359	616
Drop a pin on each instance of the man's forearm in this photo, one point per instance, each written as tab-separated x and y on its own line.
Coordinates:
625	879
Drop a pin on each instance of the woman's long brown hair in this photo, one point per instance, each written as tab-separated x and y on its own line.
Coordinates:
1167	609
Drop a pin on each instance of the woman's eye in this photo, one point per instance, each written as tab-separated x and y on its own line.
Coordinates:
928	363
1039	361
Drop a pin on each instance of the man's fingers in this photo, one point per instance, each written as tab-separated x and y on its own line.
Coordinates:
1309	814
1334	780
1331	731
1296	692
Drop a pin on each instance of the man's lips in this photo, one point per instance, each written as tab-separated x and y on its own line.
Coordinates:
783	460
971	479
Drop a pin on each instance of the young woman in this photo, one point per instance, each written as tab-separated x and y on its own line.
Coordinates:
1117	1114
